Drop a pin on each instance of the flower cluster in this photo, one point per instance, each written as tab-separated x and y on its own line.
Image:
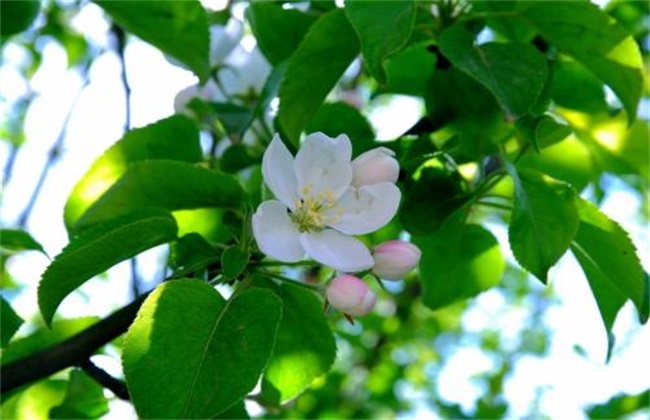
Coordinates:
323	199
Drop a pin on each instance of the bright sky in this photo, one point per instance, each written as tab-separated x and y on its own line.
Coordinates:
573	380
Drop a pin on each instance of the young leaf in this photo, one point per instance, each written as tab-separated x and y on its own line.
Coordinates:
458	262
234	261
10	322
14	240
165	185
278	31
338	117
400	76
83	400
191	354
383	27
304	349
174	138
97	250
313	69
542	131
191	253
610	263
596	41
514	73
544	220
177	28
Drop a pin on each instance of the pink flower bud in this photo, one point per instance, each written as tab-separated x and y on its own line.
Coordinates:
373	166
350	295
394	259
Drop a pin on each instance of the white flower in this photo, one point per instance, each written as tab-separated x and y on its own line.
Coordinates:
317	208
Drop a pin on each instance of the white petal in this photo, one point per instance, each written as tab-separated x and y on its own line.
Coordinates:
374	166
334	249
277	167
275	233
365	209
323	165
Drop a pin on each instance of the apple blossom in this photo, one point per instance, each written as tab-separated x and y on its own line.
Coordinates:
350	295
317	209
394	259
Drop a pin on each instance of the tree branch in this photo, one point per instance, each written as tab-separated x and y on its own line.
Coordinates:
104	379
72	352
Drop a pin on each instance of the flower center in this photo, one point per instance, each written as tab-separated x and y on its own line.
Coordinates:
309	213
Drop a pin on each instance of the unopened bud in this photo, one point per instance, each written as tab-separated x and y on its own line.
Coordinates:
350	295
373	166
394	259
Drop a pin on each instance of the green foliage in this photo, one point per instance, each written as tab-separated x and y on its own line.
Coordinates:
544	220
17	16
178	28
313	69
15	240
167	185
10	322
84	399
514	73
383	27
458	262
174	138
98	249
209	351
338	117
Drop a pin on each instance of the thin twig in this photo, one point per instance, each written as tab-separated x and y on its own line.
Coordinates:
102	377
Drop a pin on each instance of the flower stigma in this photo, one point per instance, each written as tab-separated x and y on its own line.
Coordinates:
310	212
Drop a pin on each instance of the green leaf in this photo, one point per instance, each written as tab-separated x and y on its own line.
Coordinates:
544	220
313	69
10	322
431	200
542	131
191	253
17	16
596	41
383	27
177	28
165	185
458	262
45	337
174	138
337	118
514	73
237	411
278	31
237	157
234	261
84	399
97	250
304	349
210	352
575	87
610	262
36	401
400	76
15	240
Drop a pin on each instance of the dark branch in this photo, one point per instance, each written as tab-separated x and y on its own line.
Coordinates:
72	352
104	379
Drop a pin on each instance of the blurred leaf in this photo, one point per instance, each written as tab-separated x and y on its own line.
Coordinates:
596	41
458	262
620	406
165	185
10	322
234	261
36	401
45	337
97	250
17	16
610	263
177	28
14	240
313	69
514	27
237	411
211	352
431	200
401	76
237	157
278	31
191	253
174	138
84	399
383	27
544	220
514	73
304	348
575	87
340	118
542	131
